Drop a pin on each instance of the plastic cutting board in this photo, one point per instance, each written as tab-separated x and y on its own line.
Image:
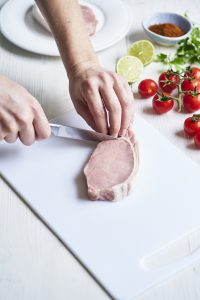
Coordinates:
113	240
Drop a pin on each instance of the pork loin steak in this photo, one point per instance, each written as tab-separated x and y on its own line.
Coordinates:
90	19
111	169
88	15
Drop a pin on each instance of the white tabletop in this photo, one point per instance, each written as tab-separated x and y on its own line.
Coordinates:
33	262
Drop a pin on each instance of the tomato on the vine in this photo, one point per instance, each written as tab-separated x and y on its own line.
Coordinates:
191	102
147	88
192	125
197	140
162	103
168	81
192	72
190	85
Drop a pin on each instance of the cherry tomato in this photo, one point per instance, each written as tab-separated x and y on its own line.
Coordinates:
147	88
162	103
189	85
193	72
191	102
197	140
192	125
168	82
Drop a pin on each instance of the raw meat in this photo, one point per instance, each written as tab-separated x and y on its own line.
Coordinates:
90	19
88	15
111	169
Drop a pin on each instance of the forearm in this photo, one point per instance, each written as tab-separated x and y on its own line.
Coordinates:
101	97
67	25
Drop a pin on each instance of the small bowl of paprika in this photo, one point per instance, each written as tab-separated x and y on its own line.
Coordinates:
167	29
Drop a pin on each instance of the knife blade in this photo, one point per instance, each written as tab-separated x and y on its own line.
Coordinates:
78	133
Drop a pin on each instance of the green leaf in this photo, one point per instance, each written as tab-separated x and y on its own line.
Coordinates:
162	57
188	50
177	61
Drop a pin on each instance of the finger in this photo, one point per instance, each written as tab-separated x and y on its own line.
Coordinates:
129	90
8	127
131	135
114	109
27	135
3	133
40	123
126	100
97	110
11	138
84	112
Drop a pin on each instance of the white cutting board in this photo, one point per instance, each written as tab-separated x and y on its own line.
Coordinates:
111	239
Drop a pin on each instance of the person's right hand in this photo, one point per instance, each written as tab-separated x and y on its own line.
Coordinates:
103	98
21	115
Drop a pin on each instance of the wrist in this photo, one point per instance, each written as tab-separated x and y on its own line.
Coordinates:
81	66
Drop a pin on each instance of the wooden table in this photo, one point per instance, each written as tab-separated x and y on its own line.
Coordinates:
33	262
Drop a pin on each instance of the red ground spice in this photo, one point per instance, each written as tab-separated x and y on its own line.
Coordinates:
167	29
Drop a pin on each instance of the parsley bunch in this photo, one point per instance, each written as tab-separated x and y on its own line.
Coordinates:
188	50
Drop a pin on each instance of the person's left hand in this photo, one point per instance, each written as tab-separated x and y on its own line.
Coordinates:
103	98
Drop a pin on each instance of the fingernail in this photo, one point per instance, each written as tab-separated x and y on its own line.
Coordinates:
130	132
123	132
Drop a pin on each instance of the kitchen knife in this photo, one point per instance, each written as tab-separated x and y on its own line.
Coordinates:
78	133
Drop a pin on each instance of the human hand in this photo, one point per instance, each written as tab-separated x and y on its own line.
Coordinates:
20	114
103	98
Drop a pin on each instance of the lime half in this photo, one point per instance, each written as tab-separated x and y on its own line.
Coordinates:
144	50
130	68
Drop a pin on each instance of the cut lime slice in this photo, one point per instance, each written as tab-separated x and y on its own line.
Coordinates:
130	68
144	50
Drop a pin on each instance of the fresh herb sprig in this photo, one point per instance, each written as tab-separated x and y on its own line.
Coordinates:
188	51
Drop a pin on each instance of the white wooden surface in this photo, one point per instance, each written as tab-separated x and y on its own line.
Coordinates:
33	262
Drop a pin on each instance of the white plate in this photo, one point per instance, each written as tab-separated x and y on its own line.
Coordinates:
18	25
